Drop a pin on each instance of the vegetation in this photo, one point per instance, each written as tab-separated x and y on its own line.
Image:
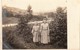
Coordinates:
59	28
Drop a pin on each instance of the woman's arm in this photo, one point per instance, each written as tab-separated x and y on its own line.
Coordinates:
41	28
32	30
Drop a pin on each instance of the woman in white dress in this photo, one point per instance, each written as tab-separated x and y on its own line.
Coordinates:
35	32
44	29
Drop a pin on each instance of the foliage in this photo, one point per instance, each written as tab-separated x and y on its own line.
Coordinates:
23	29
59	29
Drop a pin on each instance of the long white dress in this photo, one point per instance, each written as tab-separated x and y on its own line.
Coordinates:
35	32
45	39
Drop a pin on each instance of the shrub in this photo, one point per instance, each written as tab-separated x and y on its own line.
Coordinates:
59	29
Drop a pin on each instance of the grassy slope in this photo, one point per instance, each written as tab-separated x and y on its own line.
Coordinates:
18	42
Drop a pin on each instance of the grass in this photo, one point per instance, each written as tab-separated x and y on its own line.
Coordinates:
18	42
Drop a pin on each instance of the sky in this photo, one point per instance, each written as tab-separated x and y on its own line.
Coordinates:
37	5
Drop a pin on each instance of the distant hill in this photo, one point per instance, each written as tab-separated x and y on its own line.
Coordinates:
11	11
9	14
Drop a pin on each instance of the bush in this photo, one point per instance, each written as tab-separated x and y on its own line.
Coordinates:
23	30
59	29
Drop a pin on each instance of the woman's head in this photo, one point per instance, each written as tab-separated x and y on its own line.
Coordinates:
36	23
44	20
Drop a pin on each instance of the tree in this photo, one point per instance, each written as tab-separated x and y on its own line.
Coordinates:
22	33
59	28
29	15
23	29
29	9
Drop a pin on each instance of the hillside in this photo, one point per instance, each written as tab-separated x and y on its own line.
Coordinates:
11	11
12	15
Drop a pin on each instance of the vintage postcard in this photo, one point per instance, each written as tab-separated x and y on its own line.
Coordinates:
36	24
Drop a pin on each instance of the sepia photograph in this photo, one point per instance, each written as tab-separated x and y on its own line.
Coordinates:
34	24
